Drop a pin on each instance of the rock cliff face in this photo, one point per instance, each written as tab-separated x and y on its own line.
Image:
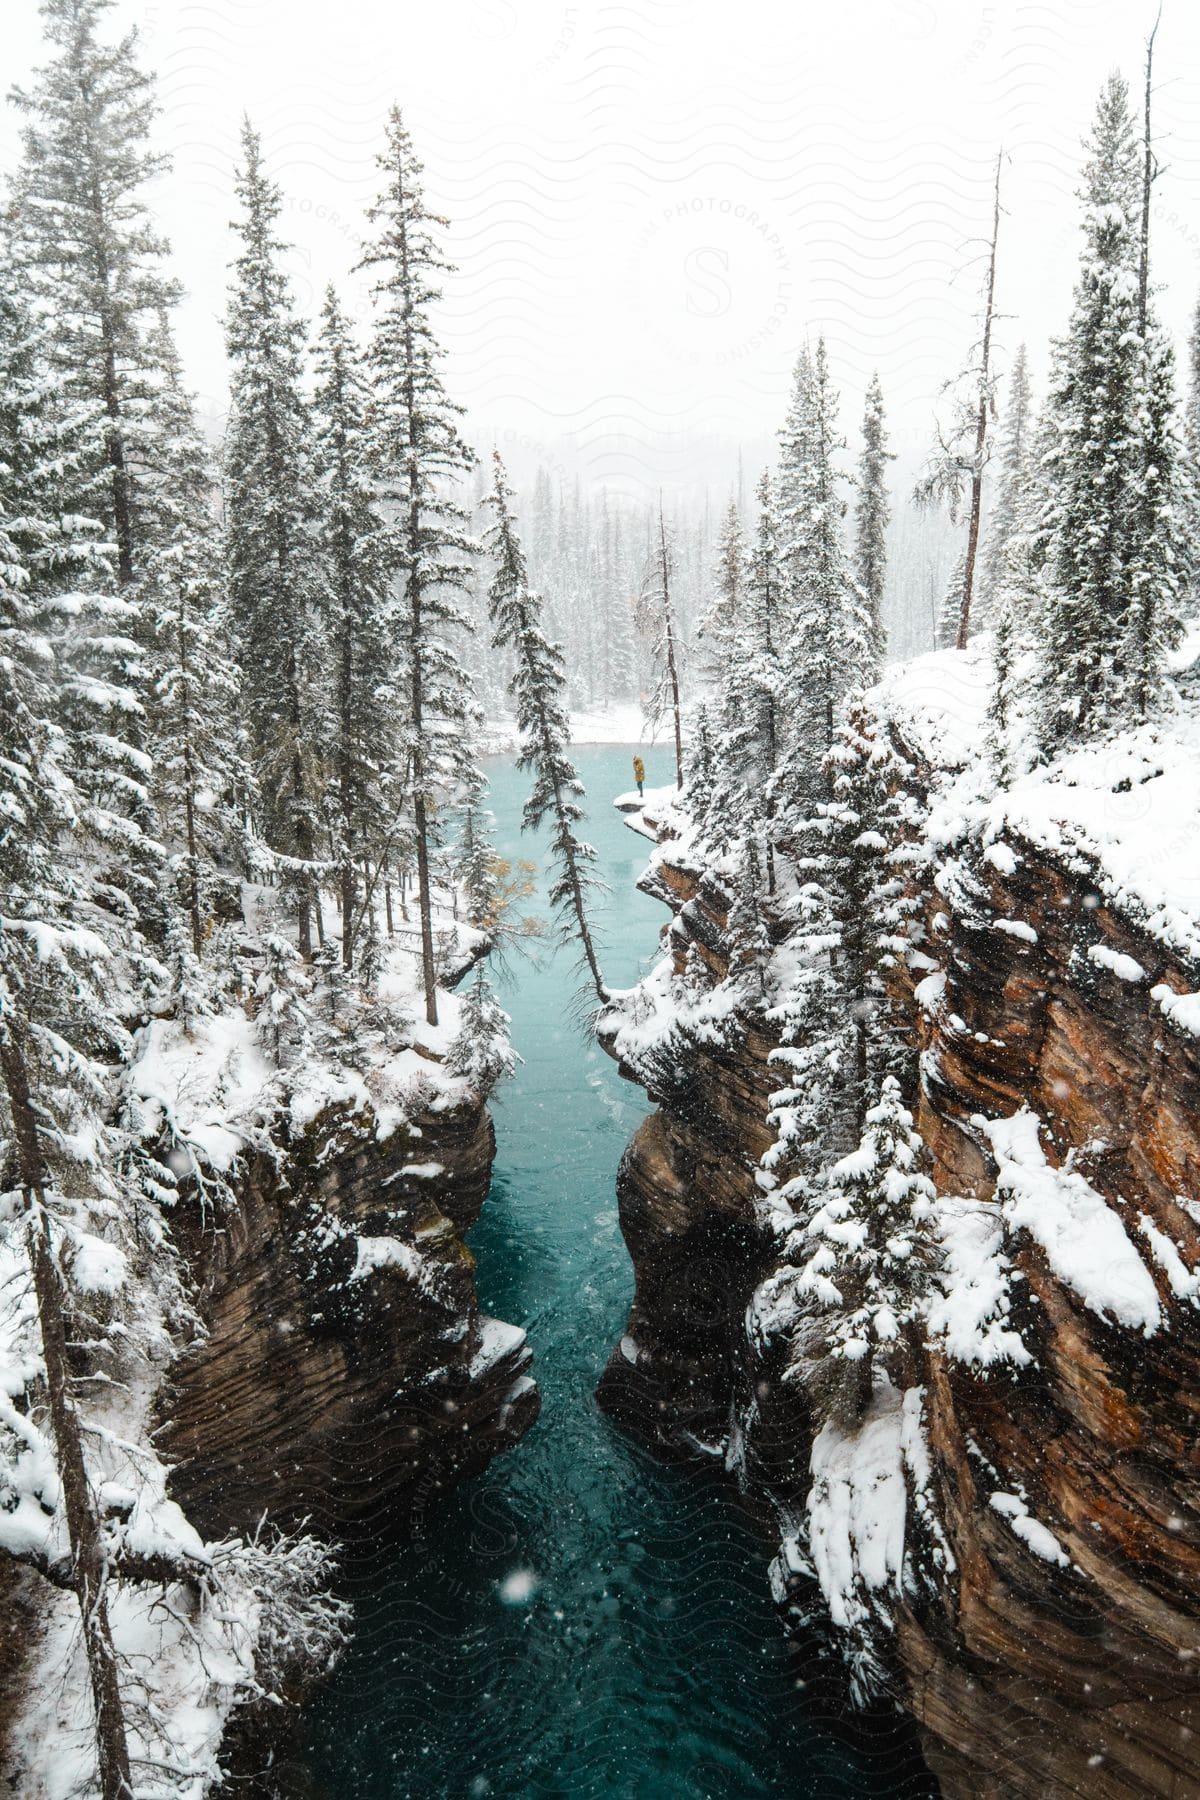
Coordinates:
344	1375
1035	1664
346	1370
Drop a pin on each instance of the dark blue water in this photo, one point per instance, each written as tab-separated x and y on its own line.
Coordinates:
580	1620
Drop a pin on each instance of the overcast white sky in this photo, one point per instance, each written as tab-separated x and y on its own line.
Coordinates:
654	204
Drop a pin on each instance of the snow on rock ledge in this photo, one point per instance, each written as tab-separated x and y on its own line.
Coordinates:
1085	1242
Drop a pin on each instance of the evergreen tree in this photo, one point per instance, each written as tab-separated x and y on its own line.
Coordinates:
657	608
748	935
872	512
829	639
62	631
419	454
1191	474
701	769
1001	696
477	870
950	611
1110	574
539	693
850	923
281	1016
60	982
721	622
1005	518
1158	547
271	548
354	604
50	547
750	744
868	836
869	1262
84	238
481	1051
83	245
818	1050
200	785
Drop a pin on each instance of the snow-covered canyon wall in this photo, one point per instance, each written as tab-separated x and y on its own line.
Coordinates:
1010	1542
296	1351
345	1370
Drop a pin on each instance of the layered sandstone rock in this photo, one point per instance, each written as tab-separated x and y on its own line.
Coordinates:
1028	1675
345	1369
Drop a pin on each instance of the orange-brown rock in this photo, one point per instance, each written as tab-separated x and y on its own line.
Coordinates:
1026	1678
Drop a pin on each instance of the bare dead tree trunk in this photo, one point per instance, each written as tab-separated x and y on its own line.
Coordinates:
669	625
89	1561
981	424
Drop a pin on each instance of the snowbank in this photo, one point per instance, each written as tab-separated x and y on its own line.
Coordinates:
1125	811
1084	1240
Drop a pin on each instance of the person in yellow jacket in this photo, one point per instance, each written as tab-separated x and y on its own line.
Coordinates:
639	774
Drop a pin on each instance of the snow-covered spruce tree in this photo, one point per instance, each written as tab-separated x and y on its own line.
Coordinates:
366	784
721	621
281	1018
1005	516
950	611
850	922
960	460
1158	544
748	937
59	571
81	238
871	514
812	1111
477	869
1191	482
539	693
1014	604
761	651
51	546
1111	563
419	455
999	736
751	737
869	1262
869	838
700	784
828	647
270	538
200	784
481	1051
656	612
83	235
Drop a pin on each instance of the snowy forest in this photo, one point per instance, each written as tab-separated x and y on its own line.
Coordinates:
248	865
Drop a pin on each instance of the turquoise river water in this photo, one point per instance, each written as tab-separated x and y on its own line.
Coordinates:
580	1620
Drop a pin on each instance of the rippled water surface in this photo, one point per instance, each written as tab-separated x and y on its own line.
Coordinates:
579	1620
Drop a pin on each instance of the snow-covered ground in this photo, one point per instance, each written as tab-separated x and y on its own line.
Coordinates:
623	723
1125	810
